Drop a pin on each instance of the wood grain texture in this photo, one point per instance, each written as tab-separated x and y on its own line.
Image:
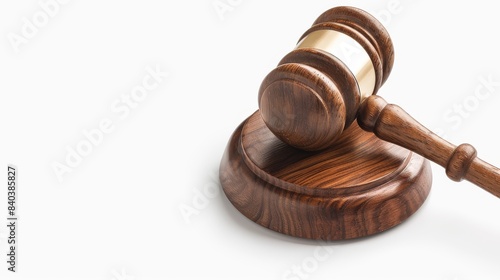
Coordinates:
302	107
336	71
360	187
312	96
369	27
391	123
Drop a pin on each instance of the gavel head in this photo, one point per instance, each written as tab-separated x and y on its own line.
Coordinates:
316	90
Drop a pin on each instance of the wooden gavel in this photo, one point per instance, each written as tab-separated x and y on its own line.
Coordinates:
331	79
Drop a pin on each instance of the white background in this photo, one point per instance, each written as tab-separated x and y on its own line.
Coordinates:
117	215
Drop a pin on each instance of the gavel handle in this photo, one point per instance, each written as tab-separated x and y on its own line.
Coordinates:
391	123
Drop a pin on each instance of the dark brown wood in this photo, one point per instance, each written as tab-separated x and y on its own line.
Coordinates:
370	28
312	97
349	183
391	123
336	71
359	187
302	106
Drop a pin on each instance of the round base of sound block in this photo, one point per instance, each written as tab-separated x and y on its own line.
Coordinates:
358	187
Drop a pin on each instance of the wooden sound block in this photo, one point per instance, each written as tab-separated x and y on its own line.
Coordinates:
360	186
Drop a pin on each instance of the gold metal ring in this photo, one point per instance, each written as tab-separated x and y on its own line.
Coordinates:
347	50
